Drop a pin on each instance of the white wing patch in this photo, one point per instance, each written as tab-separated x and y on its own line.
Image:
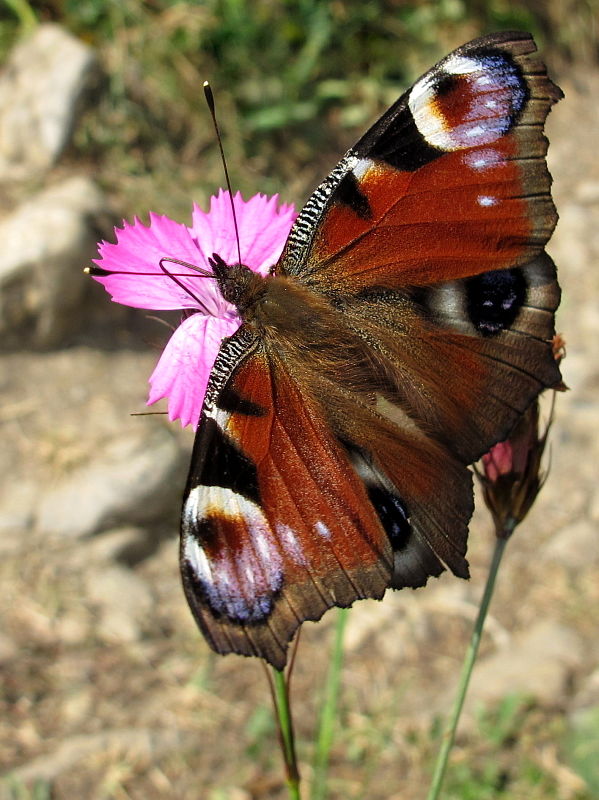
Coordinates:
483	159
291	543
490	91
231	552
322	530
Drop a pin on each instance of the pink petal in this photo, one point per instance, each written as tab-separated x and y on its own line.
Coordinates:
498	461
184	367
263	229
138	251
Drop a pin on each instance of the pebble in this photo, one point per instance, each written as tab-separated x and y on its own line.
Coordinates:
42	86
133	480
46	243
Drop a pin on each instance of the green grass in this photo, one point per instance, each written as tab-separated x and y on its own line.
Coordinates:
41	790
581	746
503	757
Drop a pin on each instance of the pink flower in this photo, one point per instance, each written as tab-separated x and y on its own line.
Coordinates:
130	271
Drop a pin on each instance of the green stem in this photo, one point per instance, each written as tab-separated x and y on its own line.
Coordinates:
470	658
328	715
24	13
285	722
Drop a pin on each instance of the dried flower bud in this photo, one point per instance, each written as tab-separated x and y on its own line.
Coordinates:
511	474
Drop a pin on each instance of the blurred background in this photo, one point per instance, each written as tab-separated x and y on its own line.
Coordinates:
106	688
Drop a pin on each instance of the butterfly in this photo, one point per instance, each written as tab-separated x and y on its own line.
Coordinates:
403	331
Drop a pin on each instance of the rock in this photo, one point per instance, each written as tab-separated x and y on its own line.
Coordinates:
127	545
588	192
8	649
587	693
594	505
537	663
138	743
41	90
576	546
17	499
124	602
134	480
46	242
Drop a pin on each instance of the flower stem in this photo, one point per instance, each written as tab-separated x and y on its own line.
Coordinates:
285	723
25	14
328	715
469	660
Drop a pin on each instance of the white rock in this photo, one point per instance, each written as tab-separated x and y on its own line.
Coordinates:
46	242
575	546
41	88
537	663
128	544
587	694
594	506
17	498
139	743
588	192
8	649
138	479
123	600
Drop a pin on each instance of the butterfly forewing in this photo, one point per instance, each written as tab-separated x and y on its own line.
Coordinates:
450	182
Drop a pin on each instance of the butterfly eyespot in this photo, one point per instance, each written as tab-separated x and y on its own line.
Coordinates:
230	555
471	101
494	299
392	514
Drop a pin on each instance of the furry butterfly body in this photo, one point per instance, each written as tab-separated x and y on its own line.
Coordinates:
402	332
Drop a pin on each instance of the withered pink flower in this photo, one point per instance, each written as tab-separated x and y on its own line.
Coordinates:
511	474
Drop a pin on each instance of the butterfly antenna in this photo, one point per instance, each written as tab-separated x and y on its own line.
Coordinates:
210	101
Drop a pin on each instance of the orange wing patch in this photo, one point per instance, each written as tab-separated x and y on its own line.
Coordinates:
459	215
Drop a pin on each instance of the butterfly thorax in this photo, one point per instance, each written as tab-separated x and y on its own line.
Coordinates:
273	303
305	330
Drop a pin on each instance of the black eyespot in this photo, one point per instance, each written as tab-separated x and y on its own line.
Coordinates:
392	514
494	299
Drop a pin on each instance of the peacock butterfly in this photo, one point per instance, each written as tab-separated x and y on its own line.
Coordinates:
405	328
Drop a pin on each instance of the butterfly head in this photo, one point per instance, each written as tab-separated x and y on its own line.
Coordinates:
238	284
